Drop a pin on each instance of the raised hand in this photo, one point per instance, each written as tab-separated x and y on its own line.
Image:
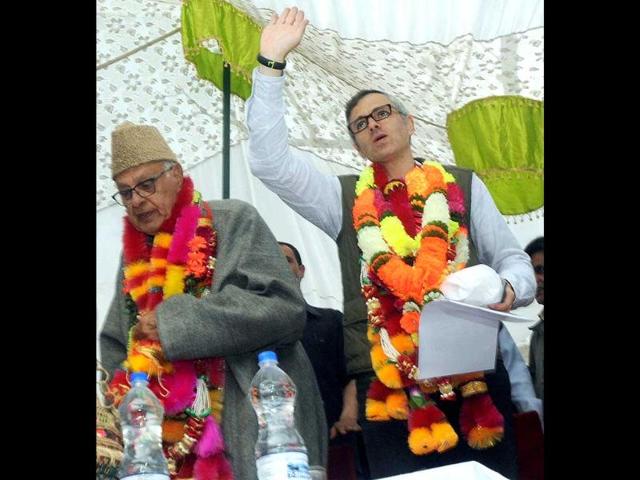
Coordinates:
282	34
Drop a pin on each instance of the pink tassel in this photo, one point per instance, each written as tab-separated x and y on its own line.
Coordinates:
212	468
182	385
184	231
211	441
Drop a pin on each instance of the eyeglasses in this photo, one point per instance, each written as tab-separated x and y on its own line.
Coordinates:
145	188
361	123
539	269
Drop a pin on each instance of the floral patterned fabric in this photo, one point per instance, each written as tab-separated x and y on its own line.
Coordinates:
157	85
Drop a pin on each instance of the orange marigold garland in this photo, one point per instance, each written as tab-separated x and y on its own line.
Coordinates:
404	265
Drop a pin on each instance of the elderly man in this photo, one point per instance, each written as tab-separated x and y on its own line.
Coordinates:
202	289
413	223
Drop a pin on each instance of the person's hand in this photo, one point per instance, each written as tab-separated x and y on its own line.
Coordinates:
282	34
147	327
507	300
346	424
348	421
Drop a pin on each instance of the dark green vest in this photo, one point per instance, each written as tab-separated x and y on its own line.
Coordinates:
356	344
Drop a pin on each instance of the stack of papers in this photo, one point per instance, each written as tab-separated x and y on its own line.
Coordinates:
458	338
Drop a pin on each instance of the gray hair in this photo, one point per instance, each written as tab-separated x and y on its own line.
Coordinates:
353	101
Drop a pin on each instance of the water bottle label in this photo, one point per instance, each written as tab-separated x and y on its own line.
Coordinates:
279	466
147	476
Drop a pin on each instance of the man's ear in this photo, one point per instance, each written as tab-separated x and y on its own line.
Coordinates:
178	173
412	128
301	269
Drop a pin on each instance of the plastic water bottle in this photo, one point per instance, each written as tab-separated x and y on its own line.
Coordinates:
141	415
280	450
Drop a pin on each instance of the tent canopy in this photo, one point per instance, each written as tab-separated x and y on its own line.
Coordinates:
436	56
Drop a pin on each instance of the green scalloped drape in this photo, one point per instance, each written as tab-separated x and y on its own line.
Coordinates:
502	140
238	37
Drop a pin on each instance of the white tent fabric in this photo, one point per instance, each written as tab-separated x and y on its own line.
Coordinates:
155	84
418	21
438	55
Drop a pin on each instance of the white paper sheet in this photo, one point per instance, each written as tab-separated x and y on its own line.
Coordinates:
458	338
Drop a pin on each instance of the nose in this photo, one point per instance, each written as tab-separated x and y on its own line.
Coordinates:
375	123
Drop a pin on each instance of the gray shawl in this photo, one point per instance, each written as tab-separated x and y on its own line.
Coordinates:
255	304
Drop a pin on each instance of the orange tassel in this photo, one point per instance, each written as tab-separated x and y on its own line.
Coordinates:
389	375
484	437
397	405
421	441
444	435
376	411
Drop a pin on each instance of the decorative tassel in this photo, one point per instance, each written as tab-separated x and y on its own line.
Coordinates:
429	429
211	441
375	407
421	442
445	436
201	407
390	375
480	421
378	391
397	405
384	403
376	411
182	385
212	468
440	436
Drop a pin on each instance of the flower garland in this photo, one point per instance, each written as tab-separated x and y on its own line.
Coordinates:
404	264
180	260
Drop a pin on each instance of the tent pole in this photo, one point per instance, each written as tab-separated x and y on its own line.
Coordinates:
226	112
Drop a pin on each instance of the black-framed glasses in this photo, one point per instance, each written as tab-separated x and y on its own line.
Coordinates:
539	269
361	123
145	188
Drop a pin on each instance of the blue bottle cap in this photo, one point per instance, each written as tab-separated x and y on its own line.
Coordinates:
139	376
266	356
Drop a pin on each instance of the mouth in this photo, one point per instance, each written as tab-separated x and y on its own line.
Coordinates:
145	216
378	137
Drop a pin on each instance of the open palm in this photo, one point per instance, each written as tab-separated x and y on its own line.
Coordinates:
282	34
